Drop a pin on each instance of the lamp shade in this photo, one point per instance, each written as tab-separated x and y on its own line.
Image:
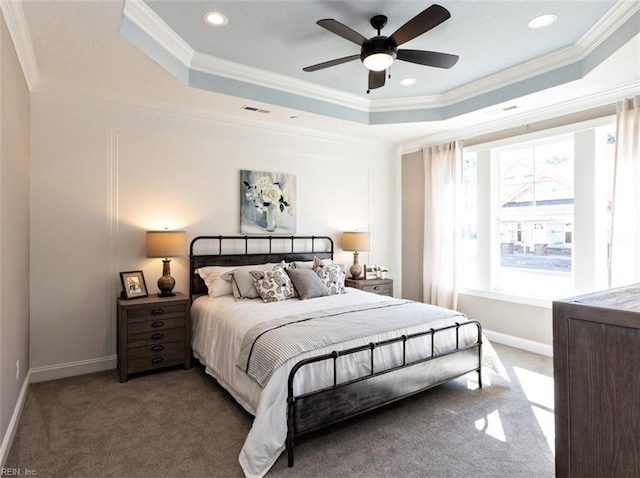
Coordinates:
166	243
355	241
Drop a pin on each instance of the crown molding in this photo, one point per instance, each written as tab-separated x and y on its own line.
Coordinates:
565	108
255	76
154	26
17	26
622	11
150	23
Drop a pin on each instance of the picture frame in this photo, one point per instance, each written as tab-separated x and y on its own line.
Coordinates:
267	202
133	285
370	271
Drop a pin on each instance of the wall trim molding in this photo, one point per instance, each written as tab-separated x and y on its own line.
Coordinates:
71	369
10	434
520	343
17	26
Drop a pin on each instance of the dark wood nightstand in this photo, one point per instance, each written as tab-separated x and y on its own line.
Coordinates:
377	286
153	332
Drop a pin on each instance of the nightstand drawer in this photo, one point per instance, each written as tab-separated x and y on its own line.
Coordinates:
156	325
155	336
374	286
156	311
382	289
155	356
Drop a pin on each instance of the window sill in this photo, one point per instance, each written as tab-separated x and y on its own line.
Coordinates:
508	297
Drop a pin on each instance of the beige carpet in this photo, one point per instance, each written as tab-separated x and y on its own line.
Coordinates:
179	423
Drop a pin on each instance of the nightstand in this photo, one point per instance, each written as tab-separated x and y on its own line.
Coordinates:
153	332
377	286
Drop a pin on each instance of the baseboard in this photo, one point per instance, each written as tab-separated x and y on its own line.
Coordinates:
7	441
54	372
519	343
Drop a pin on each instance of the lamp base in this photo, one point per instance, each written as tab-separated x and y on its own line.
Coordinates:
166	283
356	268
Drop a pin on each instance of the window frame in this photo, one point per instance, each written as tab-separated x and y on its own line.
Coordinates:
588	266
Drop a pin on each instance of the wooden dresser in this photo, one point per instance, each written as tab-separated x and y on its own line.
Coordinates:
153	332
596	359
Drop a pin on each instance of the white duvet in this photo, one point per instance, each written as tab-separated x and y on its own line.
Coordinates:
219	325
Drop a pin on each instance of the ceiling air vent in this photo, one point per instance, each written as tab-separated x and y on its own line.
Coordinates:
257	110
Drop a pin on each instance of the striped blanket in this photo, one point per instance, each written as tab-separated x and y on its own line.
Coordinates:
270	344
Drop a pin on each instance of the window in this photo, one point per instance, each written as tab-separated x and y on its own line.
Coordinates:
536	212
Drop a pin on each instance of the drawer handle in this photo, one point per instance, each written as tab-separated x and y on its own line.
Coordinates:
157	348
155	360
157	336
157	324
157	311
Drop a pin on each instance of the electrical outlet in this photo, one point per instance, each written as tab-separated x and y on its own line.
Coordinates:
17	369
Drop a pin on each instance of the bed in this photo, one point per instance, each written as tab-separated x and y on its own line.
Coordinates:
297	365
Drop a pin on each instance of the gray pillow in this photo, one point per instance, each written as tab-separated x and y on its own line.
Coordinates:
307	283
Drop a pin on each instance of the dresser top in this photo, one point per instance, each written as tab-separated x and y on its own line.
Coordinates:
622	298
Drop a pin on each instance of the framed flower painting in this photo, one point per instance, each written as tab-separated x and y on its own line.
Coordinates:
267	203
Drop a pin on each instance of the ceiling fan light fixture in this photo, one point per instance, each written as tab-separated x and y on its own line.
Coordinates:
378	61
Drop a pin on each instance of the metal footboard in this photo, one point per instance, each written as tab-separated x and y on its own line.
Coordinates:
342	400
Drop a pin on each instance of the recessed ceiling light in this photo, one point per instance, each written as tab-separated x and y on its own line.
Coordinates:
542	21
215	18
408	81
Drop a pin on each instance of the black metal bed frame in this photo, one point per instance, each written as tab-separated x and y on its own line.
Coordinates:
340	401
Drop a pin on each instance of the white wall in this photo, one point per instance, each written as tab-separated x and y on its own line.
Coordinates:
14	236
103	173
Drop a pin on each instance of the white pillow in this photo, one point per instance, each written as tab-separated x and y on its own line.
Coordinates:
212	276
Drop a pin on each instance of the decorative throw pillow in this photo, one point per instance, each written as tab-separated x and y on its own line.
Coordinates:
273	285
307	284
332	275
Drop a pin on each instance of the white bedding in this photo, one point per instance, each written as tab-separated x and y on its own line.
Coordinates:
219	325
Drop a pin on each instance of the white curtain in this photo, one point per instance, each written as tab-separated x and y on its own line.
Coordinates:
443	184
624	258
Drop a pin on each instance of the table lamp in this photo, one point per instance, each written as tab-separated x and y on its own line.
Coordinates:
355	241
166	244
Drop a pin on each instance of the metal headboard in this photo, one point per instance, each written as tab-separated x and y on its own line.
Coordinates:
247	250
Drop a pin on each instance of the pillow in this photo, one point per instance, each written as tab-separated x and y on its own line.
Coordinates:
307	284
273	285
309	264
241	282
216	285
332	275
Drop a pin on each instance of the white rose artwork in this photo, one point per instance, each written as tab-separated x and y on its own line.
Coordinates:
267	202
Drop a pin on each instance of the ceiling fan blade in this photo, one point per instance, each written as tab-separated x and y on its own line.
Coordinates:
327	64
429	58
376	79
334	26
421	23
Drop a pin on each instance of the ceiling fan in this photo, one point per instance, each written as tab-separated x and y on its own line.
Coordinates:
379	52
